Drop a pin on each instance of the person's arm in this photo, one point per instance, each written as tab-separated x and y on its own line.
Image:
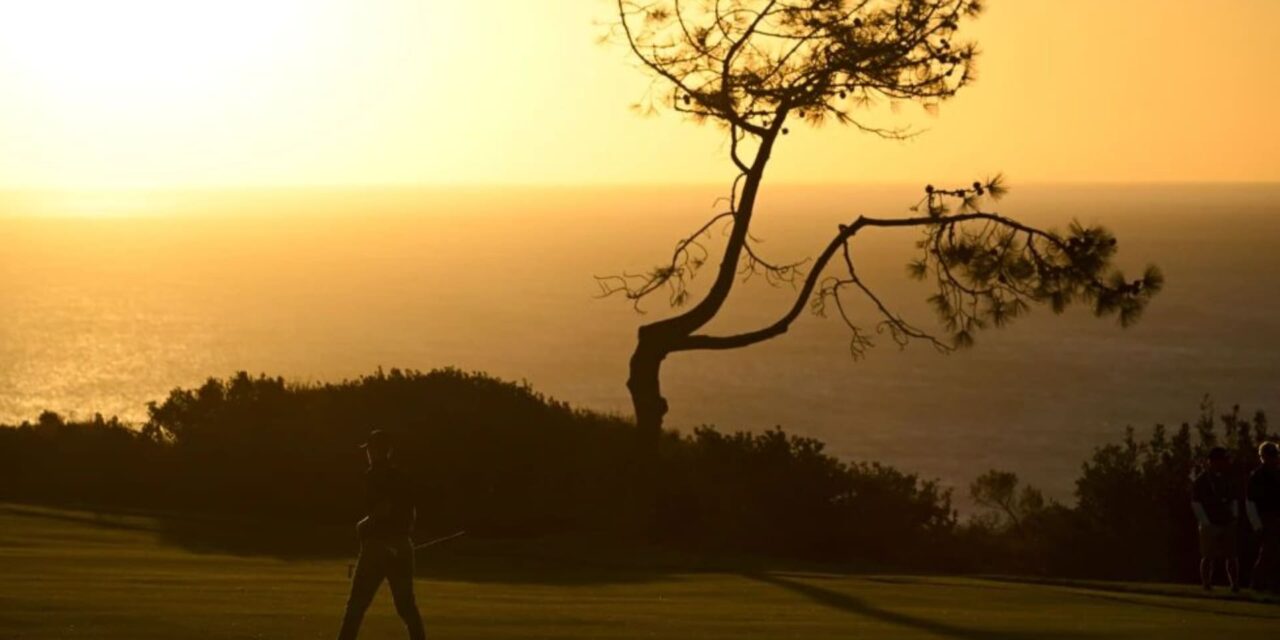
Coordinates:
365	526
379	500
1255	520
1252	491
1201	516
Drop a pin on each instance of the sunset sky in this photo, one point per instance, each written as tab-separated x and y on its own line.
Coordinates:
171	93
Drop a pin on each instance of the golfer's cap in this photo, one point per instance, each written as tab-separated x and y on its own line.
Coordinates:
377	437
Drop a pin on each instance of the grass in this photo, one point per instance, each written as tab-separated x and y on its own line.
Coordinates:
67	574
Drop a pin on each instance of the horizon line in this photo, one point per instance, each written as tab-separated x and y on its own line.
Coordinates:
462	186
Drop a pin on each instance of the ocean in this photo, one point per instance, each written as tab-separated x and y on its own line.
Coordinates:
108	300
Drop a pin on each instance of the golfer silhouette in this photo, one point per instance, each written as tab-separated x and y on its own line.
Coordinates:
386	544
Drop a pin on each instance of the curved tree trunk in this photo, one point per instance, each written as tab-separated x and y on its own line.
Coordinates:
655	341
645	387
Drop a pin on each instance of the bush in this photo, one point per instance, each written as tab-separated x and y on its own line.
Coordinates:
1132	519
494	457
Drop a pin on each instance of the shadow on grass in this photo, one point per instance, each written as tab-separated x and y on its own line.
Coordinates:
521	560
1185	592
856	606
1177	607
117	521
545	560
284	540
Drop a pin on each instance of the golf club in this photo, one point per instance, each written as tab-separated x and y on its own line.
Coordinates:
436	541
430	543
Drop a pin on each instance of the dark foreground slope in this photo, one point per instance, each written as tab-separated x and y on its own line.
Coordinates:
70	574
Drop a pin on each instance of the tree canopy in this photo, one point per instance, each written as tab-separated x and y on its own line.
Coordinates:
750	67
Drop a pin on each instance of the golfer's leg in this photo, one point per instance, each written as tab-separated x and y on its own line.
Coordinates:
400	577
368	577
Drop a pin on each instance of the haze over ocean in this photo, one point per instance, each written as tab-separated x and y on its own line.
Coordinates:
109	300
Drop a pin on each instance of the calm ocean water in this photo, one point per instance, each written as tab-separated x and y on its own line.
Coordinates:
104	312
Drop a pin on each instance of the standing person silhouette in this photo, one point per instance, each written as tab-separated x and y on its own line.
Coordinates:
1215	500
1263	507
386	548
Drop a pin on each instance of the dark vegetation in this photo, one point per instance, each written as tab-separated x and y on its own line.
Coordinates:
1132	518
277	459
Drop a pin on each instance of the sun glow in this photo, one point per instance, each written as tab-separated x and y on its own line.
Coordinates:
159	53
118	94
156	92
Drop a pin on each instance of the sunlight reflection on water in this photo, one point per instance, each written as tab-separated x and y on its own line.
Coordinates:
102	314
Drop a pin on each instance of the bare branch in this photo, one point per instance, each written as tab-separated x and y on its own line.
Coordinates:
687	258
987	276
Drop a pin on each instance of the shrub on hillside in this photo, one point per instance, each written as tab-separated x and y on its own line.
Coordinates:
490	456
1132	518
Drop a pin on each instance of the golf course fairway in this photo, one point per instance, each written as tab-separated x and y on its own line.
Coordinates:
72	574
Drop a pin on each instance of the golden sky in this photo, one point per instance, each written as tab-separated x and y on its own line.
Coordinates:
320	92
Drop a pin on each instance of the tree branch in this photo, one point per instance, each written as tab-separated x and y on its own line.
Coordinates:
995	281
